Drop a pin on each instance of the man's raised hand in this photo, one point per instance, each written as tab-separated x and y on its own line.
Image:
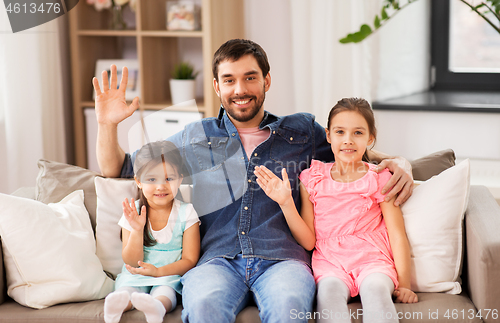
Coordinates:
400	183
110	104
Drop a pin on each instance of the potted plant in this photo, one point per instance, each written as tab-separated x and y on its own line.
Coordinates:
182	83
489	10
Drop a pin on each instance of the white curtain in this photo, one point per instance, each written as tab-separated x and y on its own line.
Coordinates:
393	62
33	87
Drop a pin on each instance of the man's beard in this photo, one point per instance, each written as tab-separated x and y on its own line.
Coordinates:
249	113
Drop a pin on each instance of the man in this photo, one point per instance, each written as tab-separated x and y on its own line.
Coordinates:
248	251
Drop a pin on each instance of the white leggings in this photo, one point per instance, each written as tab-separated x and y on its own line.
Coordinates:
376	297
156	291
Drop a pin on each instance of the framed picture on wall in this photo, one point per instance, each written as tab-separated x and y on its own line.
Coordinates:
133	84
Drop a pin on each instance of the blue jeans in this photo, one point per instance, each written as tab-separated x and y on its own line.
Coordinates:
219	289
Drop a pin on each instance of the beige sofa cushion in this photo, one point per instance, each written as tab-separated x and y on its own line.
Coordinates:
56	180
83	312
431	308
433	164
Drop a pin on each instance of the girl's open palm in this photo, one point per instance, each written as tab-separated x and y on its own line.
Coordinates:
144	269
278	190
110	104
136	221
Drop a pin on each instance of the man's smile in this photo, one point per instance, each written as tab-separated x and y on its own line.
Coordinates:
242	102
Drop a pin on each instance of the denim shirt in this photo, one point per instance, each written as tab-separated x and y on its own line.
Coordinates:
236	215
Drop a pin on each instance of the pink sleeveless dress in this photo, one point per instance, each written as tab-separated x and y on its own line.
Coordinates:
351	237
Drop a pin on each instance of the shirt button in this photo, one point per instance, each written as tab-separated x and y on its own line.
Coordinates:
291	138
274	132
209	142
246	207
255	154
249	180
233	134
242	158
243	232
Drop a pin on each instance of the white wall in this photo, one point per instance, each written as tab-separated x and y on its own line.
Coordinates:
413	134
476	136
268	24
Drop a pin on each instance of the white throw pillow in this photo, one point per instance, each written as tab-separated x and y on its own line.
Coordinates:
433	218
49	252
110	195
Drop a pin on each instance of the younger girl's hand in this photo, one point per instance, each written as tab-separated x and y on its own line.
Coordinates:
405	295
136	221
278	190
145	269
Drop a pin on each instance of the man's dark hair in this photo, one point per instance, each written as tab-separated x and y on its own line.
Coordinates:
234	49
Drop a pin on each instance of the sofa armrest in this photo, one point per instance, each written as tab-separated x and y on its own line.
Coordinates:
482	222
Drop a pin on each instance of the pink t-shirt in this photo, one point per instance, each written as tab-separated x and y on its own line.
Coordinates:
252	137
351	236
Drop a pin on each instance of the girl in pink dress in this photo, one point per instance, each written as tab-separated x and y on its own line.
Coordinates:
345	218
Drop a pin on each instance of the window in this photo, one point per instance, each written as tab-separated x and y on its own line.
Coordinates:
465	49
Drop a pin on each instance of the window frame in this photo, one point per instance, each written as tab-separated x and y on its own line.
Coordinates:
442	77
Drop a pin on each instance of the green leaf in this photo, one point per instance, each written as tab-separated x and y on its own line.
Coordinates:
357	37
480	6
376	22
365	30
347	39
384	14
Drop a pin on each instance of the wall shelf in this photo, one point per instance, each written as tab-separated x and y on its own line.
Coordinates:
444	101
156	49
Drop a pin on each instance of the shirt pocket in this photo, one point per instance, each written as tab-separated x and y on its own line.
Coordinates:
287	146
210	151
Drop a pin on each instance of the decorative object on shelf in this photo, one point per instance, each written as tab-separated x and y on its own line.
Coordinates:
133	85
182	83
183	15
116	6
117	22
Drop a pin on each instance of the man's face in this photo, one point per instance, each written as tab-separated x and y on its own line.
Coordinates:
242	89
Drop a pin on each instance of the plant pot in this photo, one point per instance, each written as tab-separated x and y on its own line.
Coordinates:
182	90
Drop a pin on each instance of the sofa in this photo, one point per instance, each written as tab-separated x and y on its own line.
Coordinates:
478	301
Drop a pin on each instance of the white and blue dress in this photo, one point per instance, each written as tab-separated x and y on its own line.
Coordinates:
168	248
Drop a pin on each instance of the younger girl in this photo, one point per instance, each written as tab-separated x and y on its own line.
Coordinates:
345	218
160	243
